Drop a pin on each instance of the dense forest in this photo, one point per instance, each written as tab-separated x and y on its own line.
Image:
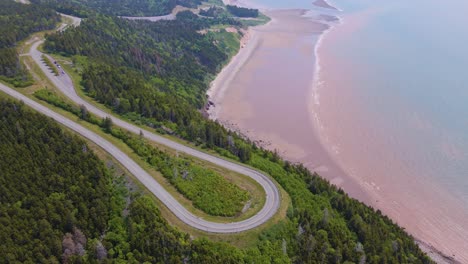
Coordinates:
60	204
85	8
242	11
214	11
171	55
53	189
155	72
18	21
208	190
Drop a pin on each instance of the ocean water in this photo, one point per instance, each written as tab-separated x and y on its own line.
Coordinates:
390	100
411	60
412	76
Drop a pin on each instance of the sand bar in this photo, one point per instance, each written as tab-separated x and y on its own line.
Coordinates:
324	4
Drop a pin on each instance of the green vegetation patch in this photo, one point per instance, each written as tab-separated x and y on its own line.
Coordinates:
260	20
84	8
156	73
208	191
12	70
53	99
169	56
18	21
53	190
242	11
227	41
60	204
49	64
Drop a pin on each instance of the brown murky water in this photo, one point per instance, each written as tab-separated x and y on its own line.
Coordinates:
267	99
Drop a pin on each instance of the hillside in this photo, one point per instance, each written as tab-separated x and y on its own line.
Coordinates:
84	8
17	22
154	73
170	55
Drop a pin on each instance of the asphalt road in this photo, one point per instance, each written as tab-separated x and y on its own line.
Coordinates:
64	83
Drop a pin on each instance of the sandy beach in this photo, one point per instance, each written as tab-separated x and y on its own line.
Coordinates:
267	94
260	113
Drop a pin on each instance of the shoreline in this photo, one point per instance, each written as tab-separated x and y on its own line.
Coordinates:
221	85
440	255
429	226
218	87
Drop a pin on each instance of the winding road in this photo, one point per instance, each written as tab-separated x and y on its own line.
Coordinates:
65	84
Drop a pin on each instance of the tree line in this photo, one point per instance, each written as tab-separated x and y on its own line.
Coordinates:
17	22
242	11
86	8
171	55
154	72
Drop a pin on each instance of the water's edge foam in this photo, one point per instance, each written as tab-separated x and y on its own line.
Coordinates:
314	95
333	150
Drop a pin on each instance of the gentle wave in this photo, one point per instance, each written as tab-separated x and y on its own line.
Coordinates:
317	85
